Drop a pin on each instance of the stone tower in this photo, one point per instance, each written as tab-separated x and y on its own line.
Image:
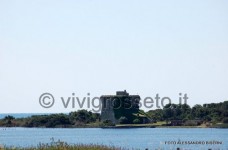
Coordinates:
108	105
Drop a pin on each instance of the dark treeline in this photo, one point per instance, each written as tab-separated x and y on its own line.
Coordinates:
74	119
214	112
183	115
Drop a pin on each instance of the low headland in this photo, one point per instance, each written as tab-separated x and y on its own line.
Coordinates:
214	115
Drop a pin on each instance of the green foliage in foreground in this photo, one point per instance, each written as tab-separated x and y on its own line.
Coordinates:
59	145
68	147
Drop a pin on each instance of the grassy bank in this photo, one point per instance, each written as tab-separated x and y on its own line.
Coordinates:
59	145
163	124
220	125
66	147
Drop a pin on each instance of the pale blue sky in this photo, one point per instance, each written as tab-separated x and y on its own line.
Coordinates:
99	46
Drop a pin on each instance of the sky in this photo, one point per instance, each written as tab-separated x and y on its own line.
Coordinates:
99	47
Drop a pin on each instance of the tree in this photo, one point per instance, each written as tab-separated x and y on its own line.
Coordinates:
156	115
123	120
123	106
225	120
9	119
136	121
83	116
107	123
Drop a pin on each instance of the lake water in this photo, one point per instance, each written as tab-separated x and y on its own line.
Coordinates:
151	138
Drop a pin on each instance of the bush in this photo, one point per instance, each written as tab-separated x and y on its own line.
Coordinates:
83	116
225	120
107	123
123	120
190	123
136	121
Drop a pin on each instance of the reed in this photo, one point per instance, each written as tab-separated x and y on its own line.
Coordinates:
60	145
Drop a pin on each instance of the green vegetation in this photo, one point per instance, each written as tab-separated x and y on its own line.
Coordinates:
107	123
225	120
59	145
220	125
136	121
208	114
125	108
123	120
81	118
8	120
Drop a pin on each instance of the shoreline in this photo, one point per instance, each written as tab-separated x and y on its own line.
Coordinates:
120	127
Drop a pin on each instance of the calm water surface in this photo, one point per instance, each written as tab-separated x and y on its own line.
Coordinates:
142	138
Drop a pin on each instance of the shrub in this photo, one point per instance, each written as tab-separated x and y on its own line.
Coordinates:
225	120
123	120
190	123
107	123
136	121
